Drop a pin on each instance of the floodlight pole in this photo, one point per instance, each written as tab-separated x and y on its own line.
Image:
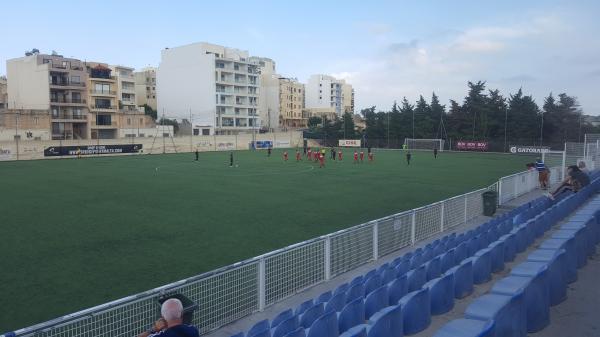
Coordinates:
505	123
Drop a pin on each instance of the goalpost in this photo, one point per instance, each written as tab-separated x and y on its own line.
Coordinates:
424	144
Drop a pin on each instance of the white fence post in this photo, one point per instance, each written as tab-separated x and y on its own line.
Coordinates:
564	163
442	217
412	227
515	186
466	207
261	285
327	258
499	191
375	240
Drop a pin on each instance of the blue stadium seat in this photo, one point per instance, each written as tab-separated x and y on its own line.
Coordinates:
473	246
441	293
357	280
580	243
403	267
397	289
260	326
416	313
376	300
463	327
537	293
394	315
239	334
372	283
300	332
356	291
383	268
341	289
510	246
463	279
282	316
460	253
427	255
482	266
520	239
497	256
447	260
504	310
358	331
389	275
439	249
570	255
370	274
590	237
311	314
336	303
260	333
415	260
324	297
299	311
433	268
416	278
325	326
557	271
285	327
351	315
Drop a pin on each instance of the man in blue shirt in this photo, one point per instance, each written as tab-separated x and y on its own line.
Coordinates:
542	173
171	323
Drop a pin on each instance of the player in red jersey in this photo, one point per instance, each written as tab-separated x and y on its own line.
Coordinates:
309	154
298	158
321	160
355	157
285	155
340	155
370	156
362	155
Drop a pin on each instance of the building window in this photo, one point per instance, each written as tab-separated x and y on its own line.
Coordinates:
103	120
36	120
103	103
141	121
128	121
147	88
75	79
103	88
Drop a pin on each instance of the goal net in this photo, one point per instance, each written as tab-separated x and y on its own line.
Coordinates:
424	144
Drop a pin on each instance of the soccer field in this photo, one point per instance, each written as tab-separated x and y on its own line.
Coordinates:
80	232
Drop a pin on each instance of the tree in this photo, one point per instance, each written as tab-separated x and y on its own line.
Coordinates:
523	123
348	128
424	125
437	113
406	119
314	121
173	122
496	113
150	112
475	107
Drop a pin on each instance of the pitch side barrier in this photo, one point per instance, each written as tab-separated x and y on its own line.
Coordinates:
227	294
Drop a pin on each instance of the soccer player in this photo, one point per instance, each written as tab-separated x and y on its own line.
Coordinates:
269	151
298	158
340	155
285	155
309	153
333	153
370	156
196	154
362	155
408	156
321	160
231	159
435	152
355	157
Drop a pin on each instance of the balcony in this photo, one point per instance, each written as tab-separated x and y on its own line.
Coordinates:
103	92
104	108
66	84
70	116
66	67
110	125
130	90
65	100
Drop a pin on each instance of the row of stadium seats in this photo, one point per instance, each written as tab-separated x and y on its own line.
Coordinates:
398	298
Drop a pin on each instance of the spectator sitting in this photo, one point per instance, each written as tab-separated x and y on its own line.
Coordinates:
575	180
582	168
171	323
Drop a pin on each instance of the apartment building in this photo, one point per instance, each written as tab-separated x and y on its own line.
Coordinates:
126	95
218	86
291	103
49	85
324	91
145	87
3	93
103	102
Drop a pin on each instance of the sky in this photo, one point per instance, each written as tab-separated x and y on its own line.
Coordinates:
386	49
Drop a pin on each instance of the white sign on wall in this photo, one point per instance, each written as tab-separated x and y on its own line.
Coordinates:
5	154
528	149
349	142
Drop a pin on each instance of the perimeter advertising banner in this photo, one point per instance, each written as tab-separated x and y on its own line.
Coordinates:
349	142
5	154
87	150
466	145
528	149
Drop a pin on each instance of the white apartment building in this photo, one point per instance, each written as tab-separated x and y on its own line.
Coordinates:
324	91
126	95
218	86
145	87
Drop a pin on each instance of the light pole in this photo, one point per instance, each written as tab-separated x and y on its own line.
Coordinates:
505	123
542	131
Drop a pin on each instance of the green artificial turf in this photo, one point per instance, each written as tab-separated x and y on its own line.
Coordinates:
80	232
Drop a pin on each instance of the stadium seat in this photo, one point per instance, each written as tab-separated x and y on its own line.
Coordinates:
358	331
324	326
416	278
300	332
370	274
497	256
311	314
341	289
389	275
383	268
259	327
299	310
260	333
285	327
394	315
570	255
357	280
441	293
473	246
464	327
510	247
590	237
463	279
520	239
403	267
239	334
416	313
505	311
336	303
282	316
433	268
415	260
482	266
439	249
427	255
376	300
537	293
447	260
460	253
324	297
580	243
351	315
372	283
557	270
356	291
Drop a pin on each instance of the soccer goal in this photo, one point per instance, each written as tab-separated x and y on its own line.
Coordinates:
424	144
